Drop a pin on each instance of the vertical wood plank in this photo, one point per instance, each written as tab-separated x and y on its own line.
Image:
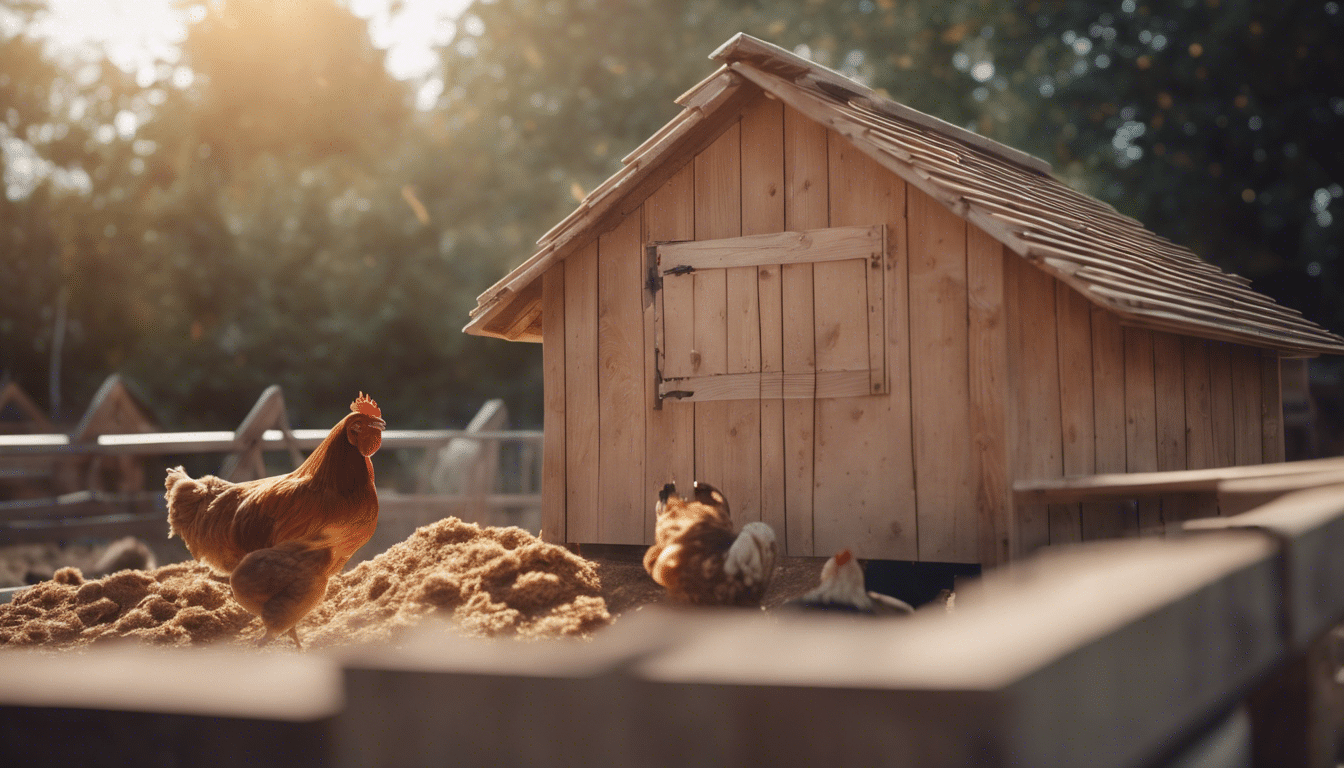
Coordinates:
1220	402
987	360
763	212
669	214
620	357
1246	405
1199	451
1169	400
1271	395
1074	314
553	405
1107	521
1039	450
1141	420
864	485
727	432
581	404
939	382
806	206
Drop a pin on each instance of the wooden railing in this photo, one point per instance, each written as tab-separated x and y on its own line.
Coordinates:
1192	650
459	474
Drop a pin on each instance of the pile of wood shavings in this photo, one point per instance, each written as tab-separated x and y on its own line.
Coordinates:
489	581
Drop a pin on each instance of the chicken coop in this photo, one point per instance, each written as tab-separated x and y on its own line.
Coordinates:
864	324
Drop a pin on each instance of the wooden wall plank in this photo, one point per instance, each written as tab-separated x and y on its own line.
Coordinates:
1220	403
775	247
669	214
1199	451
763	212
581	403
1074	331
806	206
1039	452
987	374
620	397
1141	420
863	482
1271	395
1107	521
944	465
1246	405
553	405
1169	400
727	432
1171	426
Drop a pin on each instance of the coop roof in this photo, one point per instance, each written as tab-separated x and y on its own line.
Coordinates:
1110	258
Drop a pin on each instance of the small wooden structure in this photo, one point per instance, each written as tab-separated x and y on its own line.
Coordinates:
22	477
19	415
866	324
113	410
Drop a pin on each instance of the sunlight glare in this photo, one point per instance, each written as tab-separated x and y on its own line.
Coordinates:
135	34
411	35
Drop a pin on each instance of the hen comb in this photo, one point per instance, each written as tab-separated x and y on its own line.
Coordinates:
365	405
843	556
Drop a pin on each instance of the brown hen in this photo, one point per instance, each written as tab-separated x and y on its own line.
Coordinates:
281	538
698	558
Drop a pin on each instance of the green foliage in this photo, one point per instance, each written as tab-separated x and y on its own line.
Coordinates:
281	213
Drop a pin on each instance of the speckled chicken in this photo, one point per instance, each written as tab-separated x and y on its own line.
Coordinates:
842	589
698	558
281	538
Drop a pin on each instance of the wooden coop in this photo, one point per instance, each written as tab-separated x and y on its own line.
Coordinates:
865	324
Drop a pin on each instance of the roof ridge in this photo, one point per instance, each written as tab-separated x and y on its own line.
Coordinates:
768	57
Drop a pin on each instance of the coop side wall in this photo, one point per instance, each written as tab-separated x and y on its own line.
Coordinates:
919	473
1089	396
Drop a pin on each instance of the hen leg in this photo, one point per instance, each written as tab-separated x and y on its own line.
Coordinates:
282	584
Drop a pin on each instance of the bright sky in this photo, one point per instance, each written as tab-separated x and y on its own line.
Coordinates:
137	34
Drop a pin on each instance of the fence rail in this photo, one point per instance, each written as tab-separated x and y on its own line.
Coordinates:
459	476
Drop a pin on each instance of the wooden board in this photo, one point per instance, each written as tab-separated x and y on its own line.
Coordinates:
1169	400
811	246
1199	450
1039	450
581	396
1246	405
987	374
669	214
1271	395
863	487
727	433
944	465
1220	404
620	359
1141	420
553	406
1074	331
763	212
1101	520
806	206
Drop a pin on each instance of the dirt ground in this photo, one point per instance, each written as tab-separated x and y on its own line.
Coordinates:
490	581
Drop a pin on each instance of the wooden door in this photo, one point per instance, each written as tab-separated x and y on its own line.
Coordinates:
692	321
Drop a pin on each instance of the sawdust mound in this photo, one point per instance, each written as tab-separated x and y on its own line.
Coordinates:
489	581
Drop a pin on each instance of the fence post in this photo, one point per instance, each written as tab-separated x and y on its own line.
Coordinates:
470	465
245	463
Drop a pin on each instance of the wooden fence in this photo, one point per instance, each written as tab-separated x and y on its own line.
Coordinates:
101	485
1195	649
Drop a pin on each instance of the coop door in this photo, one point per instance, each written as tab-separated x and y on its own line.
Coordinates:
787	315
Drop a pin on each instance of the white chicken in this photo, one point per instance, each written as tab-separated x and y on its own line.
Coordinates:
697	557
842	589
